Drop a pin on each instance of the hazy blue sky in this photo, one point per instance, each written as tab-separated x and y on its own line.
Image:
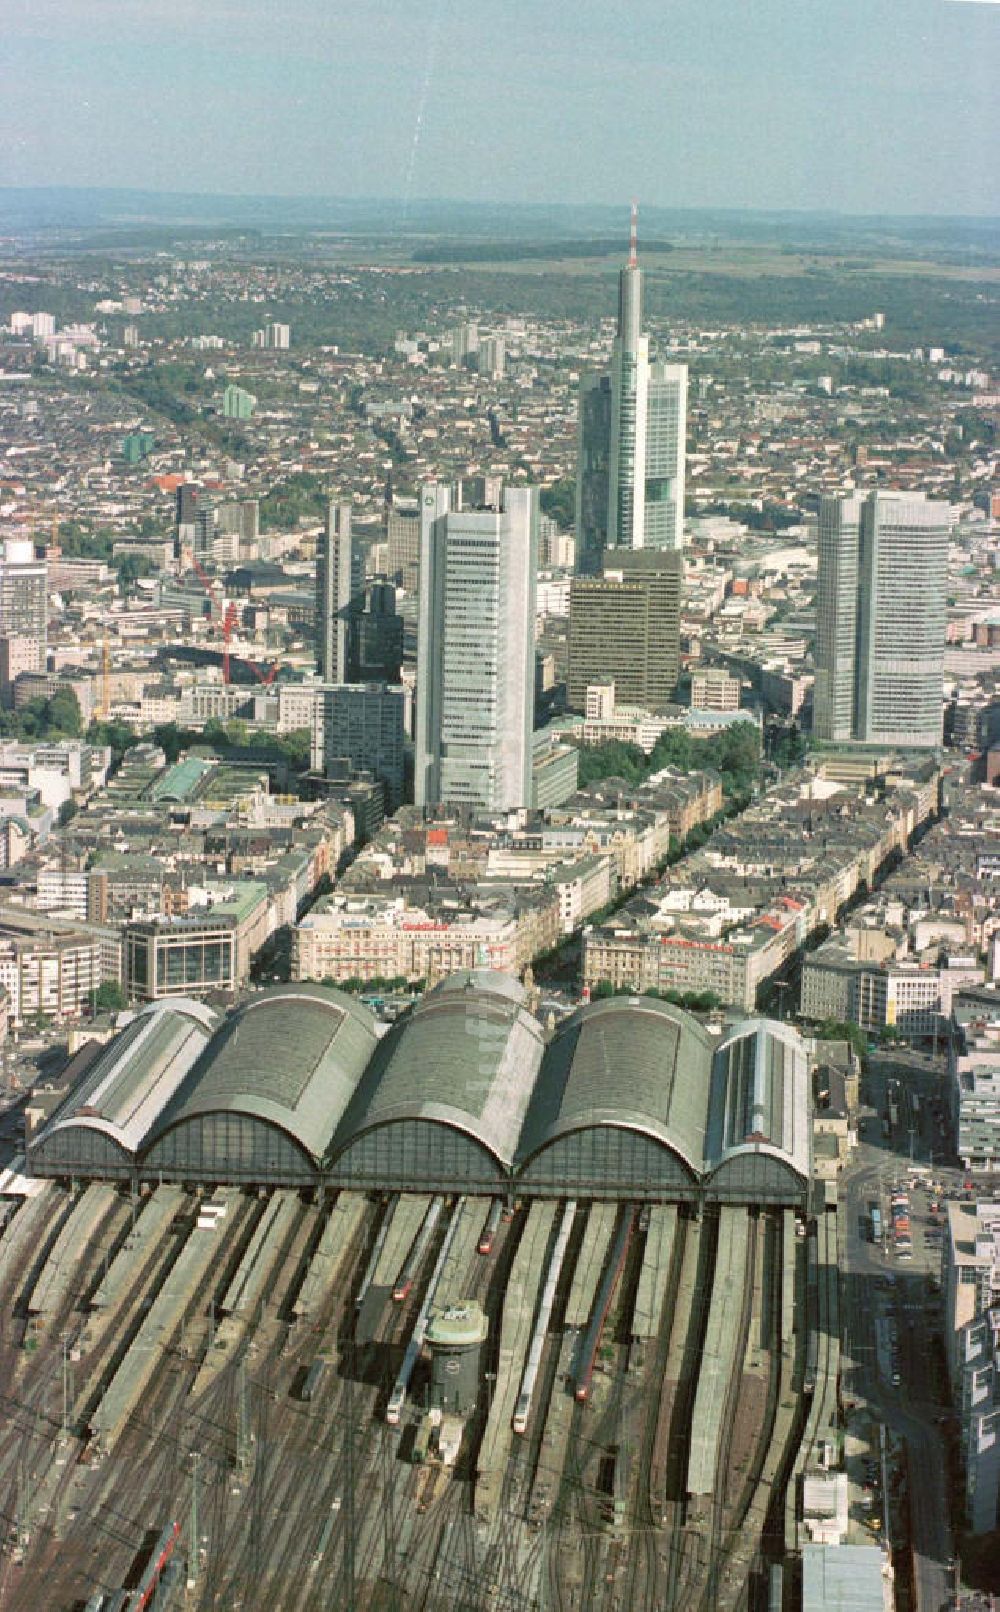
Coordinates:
854	105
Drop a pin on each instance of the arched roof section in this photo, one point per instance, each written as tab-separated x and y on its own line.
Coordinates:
288	1060
108	1115
760	1105
632	1064
466	1059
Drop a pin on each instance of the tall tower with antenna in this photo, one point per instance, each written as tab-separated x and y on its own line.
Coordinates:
630	473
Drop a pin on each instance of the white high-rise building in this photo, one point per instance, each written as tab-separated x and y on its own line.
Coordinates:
880	619
476	649
633	419
24	594
339	583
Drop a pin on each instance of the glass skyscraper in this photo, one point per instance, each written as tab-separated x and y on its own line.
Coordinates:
476	650
632	423
880	619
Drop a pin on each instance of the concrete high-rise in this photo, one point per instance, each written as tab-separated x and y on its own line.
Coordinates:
624	627
632	423
362	725
476	649
339	583
880	619
24	594
403	542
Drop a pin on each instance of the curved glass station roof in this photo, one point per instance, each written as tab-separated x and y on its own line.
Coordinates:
290	1057
629	1061
629	1095
467	1057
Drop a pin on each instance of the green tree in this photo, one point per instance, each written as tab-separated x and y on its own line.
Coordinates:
118	735
130	568
63	713
674	748
170	738
559	501
838	1030
108	997
612	760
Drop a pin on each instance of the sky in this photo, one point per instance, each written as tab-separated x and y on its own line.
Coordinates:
855	106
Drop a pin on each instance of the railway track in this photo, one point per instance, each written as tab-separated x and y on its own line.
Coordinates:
695	1285
715	1543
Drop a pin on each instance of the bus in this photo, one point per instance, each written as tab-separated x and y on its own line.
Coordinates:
876	1215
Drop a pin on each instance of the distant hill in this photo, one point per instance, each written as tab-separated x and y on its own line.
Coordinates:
68	207
513	251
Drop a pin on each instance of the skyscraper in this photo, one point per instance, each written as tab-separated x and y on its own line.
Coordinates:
632	422
361	726
376	640
880	619
624	627
476	649
24	594
339	582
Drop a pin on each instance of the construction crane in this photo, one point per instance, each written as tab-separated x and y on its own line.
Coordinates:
230	620
228	613
105	677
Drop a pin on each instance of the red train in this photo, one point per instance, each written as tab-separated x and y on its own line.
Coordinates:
592	1337
164	1548
490	1227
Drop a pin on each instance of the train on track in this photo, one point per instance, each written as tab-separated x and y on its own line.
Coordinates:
491	1226
592	1336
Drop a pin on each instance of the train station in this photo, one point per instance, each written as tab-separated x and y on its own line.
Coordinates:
458	1303
630	1099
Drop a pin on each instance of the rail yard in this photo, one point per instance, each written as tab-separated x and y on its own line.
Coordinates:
452	1316
639	1406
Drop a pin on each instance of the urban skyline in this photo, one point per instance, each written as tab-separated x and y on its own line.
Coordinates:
500	930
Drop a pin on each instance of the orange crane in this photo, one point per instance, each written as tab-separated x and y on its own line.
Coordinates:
228	612
230	620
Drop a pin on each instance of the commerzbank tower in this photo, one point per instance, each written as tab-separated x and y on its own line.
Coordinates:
630	473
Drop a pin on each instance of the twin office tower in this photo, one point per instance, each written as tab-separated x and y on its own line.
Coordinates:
476	628
880	619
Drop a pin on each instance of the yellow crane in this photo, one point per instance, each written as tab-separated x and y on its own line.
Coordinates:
105	677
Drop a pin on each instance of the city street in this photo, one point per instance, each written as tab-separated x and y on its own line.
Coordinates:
877	1282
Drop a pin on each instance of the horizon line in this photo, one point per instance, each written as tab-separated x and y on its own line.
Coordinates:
320	197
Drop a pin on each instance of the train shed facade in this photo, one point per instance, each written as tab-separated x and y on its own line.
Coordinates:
102	1124
759	1122
264	1100
442	1104
619	1110
631	1099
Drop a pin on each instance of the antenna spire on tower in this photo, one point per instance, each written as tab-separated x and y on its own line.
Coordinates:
633	237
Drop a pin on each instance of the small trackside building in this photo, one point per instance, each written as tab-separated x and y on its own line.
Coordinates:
619	1109
101	1125
441	1106
262	1103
